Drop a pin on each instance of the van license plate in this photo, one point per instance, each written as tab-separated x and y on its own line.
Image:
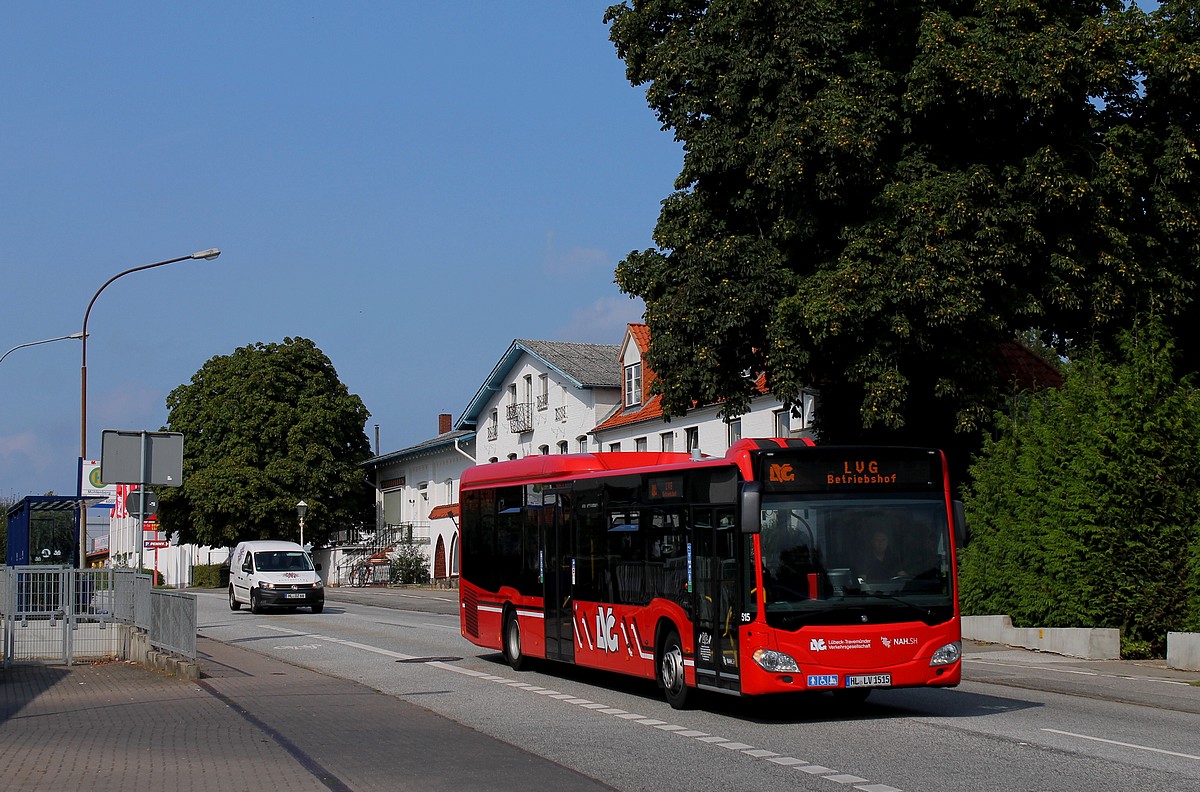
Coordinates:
869	680
294	596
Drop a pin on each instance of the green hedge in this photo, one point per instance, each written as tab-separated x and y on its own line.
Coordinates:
1084	510
209	576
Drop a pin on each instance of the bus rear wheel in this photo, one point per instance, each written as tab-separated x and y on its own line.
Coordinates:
670	672
511	642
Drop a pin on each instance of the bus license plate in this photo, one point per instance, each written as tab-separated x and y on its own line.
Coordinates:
300	595
869	680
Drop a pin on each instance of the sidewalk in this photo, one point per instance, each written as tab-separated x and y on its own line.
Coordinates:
251	723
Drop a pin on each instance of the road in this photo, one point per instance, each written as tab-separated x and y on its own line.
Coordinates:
1018	722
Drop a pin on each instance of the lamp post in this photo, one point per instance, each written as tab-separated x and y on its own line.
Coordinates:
301	510
35	343
208	255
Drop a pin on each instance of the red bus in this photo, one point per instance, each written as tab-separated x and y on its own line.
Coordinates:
781	567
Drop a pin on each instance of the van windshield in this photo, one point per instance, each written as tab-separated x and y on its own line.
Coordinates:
282	561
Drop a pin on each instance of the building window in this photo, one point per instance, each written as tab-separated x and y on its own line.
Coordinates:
734	430
692	436
544	450
493	424
492	460
563	447
614	447
512	457
783	423
639	444
668	441
807	405
581	442
633	385
543	399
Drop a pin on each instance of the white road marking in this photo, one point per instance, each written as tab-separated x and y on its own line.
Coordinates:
699	736
1123	744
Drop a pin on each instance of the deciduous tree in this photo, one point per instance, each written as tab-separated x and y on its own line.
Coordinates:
263	428
875	194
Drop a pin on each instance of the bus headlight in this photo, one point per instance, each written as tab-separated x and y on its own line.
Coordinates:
775	662
948	654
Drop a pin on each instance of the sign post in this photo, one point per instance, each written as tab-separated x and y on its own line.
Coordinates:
146	459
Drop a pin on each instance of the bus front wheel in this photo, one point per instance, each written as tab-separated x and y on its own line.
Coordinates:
512	642
670	672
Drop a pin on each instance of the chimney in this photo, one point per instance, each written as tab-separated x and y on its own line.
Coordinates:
443	423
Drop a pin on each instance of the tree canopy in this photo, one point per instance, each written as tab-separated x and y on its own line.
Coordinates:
874	195
264	428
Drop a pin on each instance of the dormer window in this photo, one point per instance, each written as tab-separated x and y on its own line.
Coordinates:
633	385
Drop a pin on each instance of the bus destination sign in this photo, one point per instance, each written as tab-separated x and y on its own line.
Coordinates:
845	469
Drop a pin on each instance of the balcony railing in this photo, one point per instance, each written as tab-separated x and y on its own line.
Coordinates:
492	431
543	402
520	418
560	414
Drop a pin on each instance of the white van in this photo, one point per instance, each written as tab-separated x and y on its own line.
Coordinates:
274	573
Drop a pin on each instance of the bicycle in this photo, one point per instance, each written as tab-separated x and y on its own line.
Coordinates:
361	574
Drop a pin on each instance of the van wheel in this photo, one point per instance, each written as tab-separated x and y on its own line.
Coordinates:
318	607
670	672
233	603
255	606
512	643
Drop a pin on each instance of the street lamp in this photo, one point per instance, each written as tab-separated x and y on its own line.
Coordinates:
301	510
35	343
208	255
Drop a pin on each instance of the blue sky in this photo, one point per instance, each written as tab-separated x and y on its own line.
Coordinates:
411	185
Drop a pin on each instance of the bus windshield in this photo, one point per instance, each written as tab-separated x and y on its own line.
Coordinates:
839	560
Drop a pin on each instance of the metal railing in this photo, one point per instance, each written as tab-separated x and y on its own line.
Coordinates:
62	615
520	417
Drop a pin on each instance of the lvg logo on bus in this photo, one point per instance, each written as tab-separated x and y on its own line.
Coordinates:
606	639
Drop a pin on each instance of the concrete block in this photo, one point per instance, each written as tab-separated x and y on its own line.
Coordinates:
1183	651
1089	643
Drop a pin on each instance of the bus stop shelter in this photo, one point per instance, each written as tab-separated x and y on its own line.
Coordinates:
44	529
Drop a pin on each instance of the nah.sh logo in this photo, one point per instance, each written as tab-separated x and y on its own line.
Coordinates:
782	473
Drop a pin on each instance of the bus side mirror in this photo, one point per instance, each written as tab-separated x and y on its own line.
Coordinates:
960	524
751	515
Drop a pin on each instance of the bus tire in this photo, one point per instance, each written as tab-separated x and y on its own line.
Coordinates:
233	603
511	642
670	671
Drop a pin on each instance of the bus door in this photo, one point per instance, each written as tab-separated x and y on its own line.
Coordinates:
718	611
559	576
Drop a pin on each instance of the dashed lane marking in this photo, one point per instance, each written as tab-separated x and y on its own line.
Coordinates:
699	736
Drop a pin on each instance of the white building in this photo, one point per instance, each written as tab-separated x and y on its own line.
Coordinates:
554	397
543	397
416	500
638	424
